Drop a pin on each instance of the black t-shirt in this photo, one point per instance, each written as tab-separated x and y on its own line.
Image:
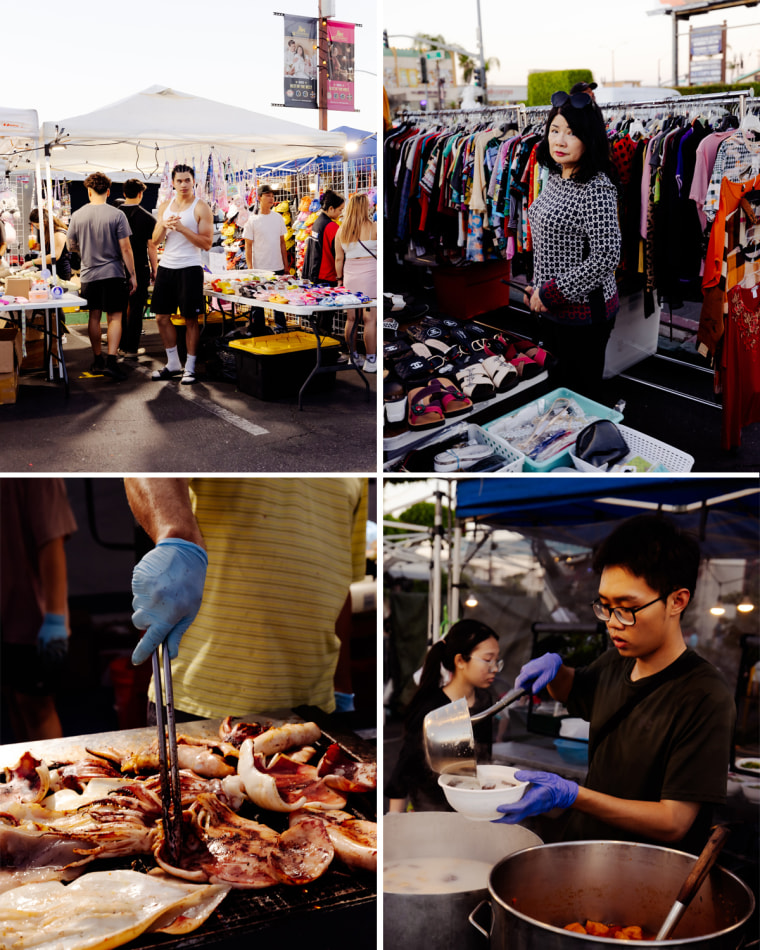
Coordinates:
411	775
142	223
674	744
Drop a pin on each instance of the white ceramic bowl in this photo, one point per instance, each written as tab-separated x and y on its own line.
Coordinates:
751	765
751	791
479	803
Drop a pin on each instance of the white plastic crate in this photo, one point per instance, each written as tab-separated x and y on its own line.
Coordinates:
664	457
514	458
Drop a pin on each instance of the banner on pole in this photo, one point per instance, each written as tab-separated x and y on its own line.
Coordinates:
340	66
301	60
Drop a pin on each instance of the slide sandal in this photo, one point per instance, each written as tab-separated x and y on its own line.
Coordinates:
475	382
503	374
452	400
423	413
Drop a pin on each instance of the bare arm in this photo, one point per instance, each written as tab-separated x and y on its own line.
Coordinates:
162	507
159	232
664	820
397	804
52	562
340	256
248	253
129	262
285	261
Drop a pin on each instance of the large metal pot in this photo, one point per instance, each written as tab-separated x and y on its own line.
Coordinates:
439	921
535	893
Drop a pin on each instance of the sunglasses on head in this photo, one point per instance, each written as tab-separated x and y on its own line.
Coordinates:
578	100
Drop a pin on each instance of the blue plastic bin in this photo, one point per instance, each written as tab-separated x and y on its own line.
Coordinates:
589	407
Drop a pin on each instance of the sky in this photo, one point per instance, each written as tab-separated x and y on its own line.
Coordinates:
601	35
229	51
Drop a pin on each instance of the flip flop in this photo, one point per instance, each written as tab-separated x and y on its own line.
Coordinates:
423	413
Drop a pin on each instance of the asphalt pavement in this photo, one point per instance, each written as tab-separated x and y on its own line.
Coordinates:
138	425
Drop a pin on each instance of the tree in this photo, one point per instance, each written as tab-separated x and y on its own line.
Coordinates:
468	65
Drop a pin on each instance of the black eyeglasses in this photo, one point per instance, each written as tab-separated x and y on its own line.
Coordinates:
578	100
624	615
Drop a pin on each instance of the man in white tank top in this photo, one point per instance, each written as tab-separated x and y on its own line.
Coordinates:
186	227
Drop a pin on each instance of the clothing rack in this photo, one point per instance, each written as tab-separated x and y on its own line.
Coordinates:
486	114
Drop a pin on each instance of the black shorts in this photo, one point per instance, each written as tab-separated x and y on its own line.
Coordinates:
24	672
179	289
108	295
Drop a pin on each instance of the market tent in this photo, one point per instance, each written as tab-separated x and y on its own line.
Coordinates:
724	513
19	129
366	150
137	135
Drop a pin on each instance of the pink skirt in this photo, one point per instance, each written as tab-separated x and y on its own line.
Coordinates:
360	275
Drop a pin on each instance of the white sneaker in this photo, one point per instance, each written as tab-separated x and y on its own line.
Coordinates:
370	366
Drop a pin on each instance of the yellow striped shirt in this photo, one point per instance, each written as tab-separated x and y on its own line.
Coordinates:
282	553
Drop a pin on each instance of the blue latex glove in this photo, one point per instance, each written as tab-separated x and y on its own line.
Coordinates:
167	588
545	792
538	673
52	640
344	702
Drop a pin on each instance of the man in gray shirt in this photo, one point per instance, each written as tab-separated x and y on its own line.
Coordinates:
100	233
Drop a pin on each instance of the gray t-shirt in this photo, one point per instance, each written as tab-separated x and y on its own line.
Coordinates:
95	231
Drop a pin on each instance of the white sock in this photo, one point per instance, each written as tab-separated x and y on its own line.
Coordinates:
172	359
190	364
371	357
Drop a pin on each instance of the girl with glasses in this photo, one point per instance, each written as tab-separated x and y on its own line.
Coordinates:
469	657
576	241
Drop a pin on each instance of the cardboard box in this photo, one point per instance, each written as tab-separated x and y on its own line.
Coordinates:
18	286
10	357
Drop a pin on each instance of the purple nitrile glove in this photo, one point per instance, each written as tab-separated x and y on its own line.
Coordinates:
52	639
539	672
546	791
167	588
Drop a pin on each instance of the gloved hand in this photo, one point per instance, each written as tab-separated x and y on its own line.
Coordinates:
167	588
539	672
52	639
344	702
545	792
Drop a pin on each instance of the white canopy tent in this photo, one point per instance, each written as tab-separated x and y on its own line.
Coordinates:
137	135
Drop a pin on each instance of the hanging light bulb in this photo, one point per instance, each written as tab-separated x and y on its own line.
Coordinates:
472	600
718	610
745	605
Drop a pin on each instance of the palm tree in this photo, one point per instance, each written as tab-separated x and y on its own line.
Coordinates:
468	65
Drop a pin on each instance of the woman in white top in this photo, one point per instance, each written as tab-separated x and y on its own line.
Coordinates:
356	267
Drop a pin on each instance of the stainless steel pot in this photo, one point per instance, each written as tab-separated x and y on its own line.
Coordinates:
535	893
439	921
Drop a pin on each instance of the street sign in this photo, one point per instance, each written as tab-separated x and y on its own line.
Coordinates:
435	54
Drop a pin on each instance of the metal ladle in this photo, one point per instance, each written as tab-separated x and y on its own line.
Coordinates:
448	738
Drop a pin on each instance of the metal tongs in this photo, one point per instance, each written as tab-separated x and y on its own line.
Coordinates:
171	796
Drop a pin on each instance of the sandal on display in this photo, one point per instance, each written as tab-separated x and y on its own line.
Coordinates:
440	354
452	400
423	412
475	382
503	373
413	369
460	458
394	399
525	366
537	353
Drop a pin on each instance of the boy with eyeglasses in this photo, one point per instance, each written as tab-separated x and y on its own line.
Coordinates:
661	717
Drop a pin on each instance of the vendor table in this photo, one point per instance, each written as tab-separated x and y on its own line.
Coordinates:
316	320
328	912
55	360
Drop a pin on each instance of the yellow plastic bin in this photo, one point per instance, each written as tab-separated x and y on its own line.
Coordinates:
270	367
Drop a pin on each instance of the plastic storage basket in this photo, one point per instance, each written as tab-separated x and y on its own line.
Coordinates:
514	457
663	457
592	410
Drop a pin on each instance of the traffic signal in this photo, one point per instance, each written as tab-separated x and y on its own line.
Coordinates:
423	69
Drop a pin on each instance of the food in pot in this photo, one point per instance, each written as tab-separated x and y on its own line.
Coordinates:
596	929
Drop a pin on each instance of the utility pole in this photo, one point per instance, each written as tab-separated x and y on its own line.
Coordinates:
322	70
482	57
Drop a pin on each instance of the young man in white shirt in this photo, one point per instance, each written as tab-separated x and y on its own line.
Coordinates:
264	236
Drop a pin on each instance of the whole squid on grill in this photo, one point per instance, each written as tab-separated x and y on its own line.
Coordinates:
221	847
354	839
27	781
284	784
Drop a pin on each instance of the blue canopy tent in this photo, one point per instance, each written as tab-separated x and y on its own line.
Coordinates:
366	150
723	512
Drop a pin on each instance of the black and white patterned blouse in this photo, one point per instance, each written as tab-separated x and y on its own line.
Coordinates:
576	248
